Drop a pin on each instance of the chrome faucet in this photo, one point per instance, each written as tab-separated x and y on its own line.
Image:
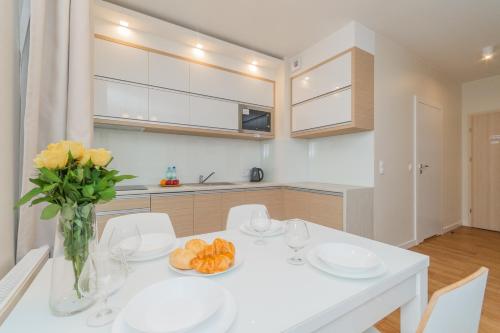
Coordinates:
203	179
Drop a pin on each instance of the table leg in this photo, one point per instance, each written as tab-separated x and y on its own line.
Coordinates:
412	311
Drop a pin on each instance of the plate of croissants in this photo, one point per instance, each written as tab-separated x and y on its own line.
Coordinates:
200	258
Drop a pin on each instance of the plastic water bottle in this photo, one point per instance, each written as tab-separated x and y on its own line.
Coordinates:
168	174
174	173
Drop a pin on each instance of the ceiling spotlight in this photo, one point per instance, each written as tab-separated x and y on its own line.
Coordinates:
198	53
306	78
254	62
488	53
123	30
124	23
252	68
199	46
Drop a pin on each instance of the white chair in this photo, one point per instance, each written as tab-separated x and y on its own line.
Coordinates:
146	222
455	308
18	279
239	215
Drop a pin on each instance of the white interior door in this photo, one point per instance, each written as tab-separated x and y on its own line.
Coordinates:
428	169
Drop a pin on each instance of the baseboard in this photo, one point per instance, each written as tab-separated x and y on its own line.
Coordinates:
407	245
451	227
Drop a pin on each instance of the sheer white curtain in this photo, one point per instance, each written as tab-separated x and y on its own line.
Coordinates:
57	64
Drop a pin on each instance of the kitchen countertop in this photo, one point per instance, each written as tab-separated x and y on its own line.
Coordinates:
314	186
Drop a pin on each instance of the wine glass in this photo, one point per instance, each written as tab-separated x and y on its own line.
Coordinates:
100	278
297	236
260	222
123	242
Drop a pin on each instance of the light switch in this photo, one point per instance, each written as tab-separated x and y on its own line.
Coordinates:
381	168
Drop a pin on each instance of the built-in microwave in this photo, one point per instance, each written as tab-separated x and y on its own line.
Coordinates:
255	119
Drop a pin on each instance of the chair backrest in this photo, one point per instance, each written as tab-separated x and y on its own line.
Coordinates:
146	222
457	307
239	215
18	279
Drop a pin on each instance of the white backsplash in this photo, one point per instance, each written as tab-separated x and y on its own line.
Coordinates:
342	159
147	155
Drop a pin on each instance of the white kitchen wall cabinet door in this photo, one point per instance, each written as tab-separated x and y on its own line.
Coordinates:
209	112
120	62
121	100
210	81
328	77
334	97
328	110
168	106
168	72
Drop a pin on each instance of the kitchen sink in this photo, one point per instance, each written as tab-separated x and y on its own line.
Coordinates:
210	184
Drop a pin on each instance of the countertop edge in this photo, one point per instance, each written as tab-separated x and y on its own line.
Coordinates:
338	189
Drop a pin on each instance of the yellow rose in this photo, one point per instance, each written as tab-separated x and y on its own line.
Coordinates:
85	157
76	148
38	161
52	159
100	157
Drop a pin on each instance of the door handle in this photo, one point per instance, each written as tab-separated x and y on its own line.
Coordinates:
421	167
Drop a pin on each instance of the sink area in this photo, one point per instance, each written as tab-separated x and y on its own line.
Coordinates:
210	184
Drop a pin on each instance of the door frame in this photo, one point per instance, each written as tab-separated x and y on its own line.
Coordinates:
417	99
467	193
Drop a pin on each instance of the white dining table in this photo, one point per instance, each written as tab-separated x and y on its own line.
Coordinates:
271	295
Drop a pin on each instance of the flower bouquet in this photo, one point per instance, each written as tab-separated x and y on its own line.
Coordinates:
70	180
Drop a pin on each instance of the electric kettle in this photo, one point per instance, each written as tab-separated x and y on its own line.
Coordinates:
256	174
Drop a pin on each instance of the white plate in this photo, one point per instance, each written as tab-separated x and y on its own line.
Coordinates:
347	257
174	305
277	228
315	261
157	255
238	260
154	243
219	323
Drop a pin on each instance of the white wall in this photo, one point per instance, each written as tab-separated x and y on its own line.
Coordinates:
343	159
477	96
147	155
284	159
9	129
399	75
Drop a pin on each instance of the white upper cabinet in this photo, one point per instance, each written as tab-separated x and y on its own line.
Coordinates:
168	106
323	111
209	112
122	100
168	72
121	62
210	81
323	79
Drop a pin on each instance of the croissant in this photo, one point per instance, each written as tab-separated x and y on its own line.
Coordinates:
223	246
213	263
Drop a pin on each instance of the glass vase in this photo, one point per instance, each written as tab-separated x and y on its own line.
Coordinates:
76	238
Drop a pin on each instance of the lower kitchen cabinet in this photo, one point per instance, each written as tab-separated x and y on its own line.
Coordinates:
208	213
194	213
179	207
271	198
122	205
296	204
324	209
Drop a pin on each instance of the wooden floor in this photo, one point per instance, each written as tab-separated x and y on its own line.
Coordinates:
454	256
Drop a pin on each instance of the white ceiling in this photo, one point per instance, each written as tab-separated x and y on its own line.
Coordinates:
449	34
